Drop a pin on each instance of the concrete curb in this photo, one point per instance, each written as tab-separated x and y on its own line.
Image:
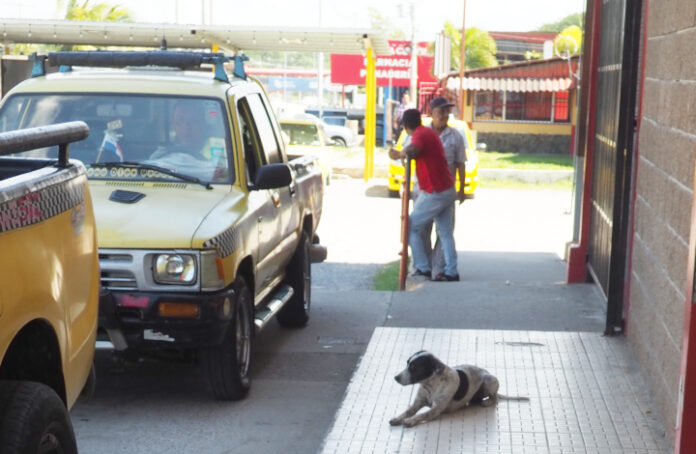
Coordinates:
526	176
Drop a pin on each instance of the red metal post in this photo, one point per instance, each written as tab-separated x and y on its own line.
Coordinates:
405	199
577	253
685	435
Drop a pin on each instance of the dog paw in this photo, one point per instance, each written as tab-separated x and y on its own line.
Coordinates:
395	422
409	423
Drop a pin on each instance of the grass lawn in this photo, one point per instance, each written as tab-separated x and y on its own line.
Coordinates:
497	160
387	278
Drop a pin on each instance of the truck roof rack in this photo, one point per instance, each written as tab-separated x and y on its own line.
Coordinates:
122	59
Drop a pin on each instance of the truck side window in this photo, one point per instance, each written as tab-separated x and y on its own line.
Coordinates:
252	154
269	141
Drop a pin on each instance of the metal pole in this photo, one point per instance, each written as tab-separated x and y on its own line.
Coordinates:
320	73
405	199
370	84
414	57
462	61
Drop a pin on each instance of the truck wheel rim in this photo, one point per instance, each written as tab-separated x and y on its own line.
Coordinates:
307	278
49	444
243	334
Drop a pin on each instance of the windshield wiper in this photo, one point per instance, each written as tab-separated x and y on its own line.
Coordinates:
164	170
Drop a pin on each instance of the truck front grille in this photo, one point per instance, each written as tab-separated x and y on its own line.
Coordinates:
116	271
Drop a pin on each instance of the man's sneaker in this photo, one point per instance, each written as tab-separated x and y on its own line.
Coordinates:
425	274
442	277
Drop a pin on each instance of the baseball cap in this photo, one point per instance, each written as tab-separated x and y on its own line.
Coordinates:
440	101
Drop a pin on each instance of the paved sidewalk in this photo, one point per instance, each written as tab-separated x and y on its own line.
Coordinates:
586	396
511	313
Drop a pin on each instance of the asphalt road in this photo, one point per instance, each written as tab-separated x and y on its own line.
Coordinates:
300	376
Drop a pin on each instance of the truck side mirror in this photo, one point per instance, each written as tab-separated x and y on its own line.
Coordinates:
273	176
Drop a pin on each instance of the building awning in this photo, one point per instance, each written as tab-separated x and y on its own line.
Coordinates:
513	85
189	36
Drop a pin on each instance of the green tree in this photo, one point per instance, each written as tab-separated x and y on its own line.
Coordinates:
480	47
577	19
569	41
385	25
100	12
74	10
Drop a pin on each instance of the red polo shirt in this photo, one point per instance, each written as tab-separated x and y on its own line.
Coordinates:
431	164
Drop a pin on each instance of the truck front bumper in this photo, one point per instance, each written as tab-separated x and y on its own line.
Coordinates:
133	320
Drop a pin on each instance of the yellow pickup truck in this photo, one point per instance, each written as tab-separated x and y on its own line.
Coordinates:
50	289
206	229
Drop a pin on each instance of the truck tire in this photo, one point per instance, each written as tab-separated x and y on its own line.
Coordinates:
295	313
228	365
340	141
34	420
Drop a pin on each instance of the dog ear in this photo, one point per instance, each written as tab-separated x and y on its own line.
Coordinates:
415	355
437	365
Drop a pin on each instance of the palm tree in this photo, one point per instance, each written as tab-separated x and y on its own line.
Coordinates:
100	12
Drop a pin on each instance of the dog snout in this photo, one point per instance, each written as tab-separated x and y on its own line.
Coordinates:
401	378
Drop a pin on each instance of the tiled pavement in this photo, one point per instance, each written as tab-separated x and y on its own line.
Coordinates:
586	396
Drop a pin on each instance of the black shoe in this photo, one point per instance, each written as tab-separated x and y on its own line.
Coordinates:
425	274
442	277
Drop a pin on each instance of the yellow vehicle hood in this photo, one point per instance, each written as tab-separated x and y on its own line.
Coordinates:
166	217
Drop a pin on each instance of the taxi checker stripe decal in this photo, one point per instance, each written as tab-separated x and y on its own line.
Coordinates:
49	201
226	242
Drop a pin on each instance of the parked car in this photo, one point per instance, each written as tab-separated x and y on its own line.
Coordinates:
396	168
50	290
336	128
206	230
306	136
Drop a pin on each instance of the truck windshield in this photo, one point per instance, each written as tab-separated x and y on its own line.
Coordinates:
185	135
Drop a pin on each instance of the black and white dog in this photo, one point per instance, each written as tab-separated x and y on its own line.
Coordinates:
445	389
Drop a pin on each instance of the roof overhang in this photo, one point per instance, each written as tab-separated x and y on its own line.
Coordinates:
232	39
512	85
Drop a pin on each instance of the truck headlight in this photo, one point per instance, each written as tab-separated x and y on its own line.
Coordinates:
175	269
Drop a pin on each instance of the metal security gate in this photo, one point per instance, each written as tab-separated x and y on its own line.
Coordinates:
613	151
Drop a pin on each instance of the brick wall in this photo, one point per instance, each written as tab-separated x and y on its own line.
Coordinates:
664	189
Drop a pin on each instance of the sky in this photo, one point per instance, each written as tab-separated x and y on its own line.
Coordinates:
429	15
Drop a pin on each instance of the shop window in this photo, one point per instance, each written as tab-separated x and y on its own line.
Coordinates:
561	111
488	105
522	106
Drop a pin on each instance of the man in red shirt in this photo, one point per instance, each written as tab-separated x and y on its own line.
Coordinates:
436	199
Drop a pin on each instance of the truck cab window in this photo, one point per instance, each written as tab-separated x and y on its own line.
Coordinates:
267	135
253	157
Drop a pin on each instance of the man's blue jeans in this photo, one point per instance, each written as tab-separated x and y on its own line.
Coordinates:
438	207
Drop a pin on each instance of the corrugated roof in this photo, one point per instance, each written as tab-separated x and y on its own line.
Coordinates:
514	85
552	74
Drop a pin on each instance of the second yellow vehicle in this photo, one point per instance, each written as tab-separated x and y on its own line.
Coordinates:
396	168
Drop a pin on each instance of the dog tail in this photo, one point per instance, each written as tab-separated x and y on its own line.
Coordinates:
504	397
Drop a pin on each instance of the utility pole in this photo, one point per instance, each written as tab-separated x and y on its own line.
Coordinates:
462	62
320	72
414	57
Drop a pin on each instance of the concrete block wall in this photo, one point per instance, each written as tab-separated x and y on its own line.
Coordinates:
525	143
664	190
